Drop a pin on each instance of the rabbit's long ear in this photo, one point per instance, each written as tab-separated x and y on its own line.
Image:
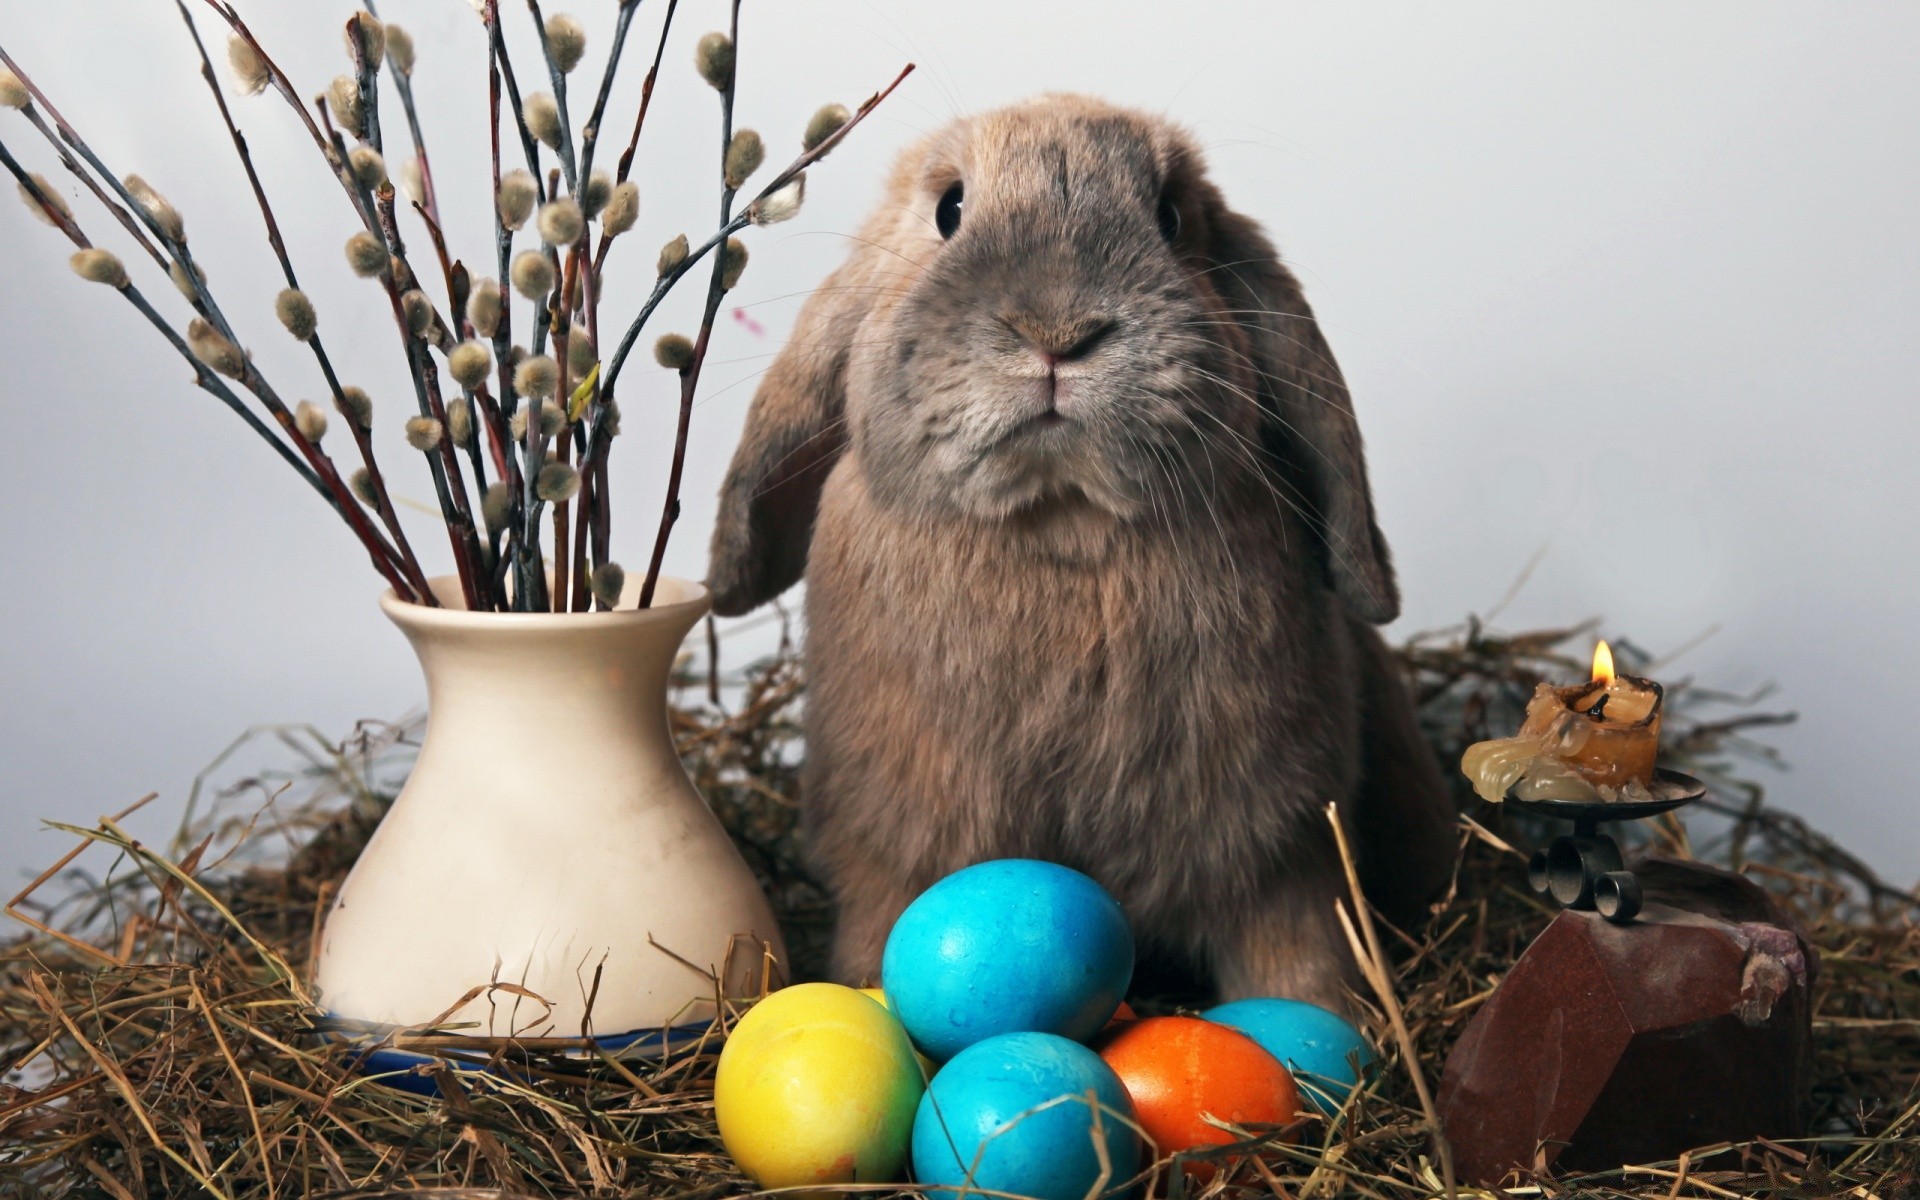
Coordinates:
1307	416
795	432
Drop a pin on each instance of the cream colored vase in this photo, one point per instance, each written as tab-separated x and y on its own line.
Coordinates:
547	830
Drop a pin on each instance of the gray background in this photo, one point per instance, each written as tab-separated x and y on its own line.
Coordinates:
1629	288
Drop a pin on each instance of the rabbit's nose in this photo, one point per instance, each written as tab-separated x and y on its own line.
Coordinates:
1057	341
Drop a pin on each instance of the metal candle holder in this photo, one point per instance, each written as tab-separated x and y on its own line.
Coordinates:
1585	871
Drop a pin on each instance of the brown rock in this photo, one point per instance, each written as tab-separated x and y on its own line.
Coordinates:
1609	1044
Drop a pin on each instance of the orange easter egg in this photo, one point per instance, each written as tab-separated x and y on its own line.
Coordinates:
1124	1015
1178	1068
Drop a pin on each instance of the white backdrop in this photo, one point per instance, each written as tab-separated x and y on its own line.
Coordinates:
1628	287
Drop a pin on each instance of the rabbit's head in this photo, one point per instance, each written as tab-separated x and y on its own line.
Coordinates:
1053	311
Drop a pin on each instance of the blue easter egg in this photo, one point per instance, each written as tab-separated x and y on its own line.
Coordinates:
977	1123
1008	946
1314	1043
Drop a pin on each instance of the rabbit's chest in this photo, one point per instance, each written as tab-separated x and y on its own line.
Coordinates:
1025	704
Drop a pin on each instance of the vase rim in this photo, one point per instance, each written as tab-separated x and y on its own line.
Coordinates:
686	600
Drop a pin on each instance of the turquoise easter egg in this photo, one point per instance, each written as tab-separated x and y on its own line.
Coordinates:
1011	1115
1008	946
1316	1045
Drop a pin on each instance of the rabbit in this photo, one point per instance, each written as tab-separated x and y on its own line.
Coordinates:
1091	557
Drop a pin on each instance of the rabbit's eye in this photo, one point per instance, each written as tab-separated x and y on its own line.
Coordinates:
1169	218
946	215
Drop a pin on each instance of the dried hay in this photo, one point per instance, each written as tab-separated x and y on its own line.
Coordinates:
159	1042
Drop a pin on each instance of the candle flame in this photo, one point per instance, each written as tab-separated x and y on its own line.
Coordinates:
1603	663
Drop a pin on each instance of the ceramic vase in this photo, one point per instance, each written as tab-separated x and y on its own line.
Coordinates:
547	831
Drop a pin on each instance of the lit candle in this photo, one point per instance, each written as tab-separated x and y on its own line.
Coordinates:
1592	741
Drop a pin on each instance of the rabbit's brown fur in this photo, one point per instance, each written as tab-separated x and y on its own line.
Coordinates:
1081	501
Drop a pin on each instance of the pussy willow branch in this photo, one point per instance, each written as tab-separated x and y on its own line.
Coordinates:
590	134
640	119
497	42
533	449
716	291
559	79
734	225
202	300
120	214
560	319
333	149
322	480
403	84
419	366
529	574
730	226
386	559
363	439
591	511
444	463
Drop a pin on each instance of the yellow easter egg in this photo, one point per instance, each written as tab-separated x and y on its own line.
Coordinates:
817	1085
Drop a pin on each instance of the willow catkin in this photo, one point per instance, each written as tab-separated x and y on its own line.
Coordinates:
734	264
296	313
13	93
367	256
781	205
622	209
561	222
484	307
213	348
187	280
423	433
470	363
744	155
536	376
366	37
460	422
713	58
515	198
418	310
343	100
99	266
556	483
580	353
542	116
672	254
826	121
532	274
566	42
609	579
54	198
250	72
158	208
359	406
673	351
595	192
399	49
369	169
311	420
496	505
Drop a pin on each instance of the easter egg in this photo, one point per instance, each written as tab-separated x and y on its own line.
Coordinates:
1177	1068
817	1085
1008	946
1010	1114
1316	1045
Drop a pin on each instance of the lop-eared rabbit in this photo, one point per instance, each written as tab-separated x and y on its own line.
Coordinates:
1092	562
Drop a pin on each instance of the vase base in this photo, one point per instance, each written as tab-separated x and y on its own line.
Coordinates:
408	1069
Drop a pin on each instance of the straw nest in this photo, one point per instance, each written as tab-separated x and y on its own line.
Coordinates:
158	1039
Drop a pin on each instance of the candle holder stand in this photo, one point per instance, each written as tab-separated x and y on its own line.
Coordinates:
1584	870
